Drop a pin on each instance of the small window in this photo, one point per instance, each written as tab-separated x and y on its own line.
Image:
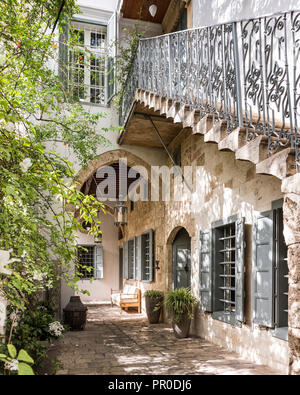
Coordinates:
87	64
221	267
90	262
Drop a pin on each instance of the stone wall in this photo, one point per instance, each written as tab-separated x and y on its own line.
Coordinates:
224	187
291	188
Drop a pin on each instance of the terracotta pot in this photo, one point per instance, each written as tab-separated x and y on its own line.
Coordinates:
152	314
181	329
75	314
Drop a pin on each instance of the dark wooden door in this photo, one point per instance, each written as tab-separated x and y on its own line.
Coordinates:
182	260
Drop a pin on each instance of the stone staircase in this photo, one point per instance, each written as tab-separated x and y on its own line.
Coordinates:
281	164
238	84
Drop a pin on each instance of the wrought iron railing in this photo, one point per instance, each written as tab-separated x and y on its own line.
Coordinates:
246	73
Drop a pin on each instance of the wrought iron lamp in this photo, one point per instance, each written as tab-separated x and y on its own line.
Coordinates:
98	238
120	212
152	8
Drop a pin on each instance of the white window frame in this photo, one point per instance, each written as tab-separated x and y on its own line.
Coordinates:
101	52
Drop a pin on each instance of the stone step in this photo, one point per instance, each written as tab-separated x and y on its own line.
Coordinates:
254	151
216	134
280	165
234	141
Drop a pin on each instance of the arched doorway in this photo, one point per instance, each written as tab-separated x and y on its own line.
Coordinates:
181	250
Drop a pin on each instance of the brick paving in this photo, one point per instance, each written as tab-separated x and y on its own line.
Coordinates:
126	344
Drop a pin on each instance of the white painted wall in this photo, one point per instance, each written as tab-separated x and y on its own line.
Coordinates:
210	12
100	289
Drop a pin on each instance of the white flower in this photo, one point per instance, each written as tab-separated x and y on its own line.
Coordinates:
38	276
12	365
25	165
56	329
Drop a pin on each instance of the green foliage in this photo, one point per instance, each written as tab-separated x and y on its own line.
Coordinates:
38	189
12	362
180	302
154	294
126	54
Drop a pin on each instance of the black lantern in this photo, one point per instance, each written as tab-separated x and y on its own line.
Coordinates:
98	239
120	213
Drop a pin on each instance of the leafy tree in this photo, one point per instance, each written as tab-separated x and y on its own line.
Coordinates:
38	189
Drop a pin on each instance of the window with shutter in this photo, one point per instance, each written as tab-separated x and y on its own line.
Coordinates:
125	260
131	259
147	241
112	52
98	262
138	258
90	261
205	270
270	272
262	270
228	269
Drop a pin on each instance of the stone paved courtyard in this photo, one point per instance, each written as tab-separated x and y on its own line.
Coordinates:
125	344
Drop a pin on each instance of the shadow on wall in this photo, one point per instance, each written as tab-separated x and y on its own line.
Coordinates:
220	11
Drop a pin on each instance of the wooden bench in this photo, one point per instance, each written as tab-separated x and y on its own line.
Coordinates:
131	296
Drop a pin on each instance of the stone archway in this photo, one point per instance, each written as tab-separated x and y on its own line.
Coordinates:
108	158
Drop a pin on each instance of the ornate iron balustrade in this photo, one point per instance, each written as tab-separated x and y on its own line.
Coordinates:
245	73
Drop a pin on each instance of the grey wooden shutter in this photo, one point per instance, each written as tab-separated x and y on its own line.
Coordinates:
112	28
138	258
205	270
151	255
262	270
125	260
64	57
98	262
239	269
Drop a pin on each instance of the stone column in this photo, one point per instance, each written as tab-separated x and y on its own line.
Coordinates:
291	212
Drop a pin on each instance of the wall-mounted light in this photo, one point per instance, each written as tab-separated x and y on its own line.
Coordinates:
98	239
120	213
158	253
157	265
153	10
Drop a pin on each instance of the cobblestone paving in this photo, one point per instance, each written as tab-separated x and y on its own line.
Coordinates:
125	344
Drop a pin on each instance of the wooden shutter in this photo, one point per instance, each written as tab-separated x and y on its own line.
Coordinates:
125	260
138	258
262	269
111	58
98	262
205	270
239	269
151	255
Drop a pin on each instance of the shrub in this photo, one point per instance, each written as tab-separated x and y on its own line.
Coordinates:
180	302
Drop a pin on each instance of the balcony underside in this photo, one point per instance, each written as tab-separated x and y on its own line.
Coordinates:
139	130
170	117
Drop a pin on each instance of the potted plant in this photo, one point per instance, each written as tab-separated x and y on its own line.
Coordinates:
180	305
154	300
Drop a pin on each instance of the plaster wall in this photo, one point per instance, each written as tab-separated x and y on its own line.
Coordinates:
100	289
211	12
